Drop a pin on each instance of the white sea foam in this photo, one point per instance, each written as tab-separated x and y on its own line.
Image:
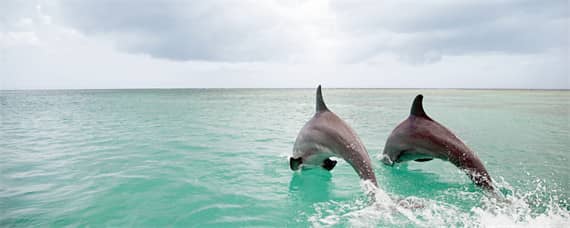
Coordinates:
386	210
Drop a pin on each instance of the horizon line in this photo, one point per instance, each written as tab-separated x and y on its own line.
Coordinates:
261	88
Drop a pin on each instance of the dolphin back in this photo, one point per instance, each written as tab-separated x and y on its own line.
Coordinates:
420	138
326	135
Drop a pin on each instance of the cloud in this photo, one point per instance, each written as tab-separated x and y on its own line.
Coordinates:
61	44
427	30
204	30
305	31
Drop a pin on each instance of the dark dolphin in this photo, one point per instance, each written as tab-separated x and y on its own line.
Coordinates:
325	136
421	139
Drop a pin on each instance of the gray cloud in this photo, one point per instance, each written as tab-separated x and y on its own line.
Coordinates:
188	30
345	31
301	31
247	31
429	30
11	12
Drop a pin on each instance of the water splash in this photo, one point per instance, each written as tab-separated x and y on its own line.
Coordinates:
516	209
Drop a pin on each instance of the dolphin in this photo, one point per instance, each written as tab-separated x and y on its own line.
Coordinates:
325	136
420	138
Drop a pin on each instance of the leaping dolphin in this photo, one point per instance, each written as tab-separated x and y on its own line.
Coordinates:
326	135
421	139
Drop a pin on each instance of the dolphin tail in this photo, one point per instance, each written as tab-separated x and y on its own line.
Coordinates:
321	106
418	108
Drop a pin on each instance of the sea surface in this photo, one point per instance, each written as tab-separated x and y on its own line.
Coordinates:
219	158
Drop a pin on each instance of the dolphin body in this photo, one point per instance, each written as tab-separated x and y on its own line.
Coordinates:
326	135
421	139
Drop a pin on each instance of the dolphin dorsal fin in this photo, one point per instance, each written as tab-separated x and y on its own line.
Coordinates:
321	106
418	108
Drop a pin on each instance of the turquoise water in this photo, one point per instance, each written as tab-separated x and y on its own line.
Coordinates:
219	157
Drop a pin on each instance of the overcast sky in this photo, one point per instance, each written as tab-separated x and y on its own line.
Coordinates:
65	44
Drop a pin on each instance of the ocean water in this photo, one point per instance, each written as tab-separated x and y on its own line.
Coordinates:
219	158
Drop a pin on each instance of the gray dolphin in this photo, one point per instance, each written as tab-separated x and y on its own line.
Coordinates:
326	135
421	139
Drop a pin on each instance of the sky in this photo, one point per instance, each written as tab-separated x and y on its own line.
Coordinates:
85	44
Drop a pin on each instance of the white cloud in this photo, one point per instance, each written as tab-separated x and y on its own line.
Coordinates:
134	44
240	31
427	30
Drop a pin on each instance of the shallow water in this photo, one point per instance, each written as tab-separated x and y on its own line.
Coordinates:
218	157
